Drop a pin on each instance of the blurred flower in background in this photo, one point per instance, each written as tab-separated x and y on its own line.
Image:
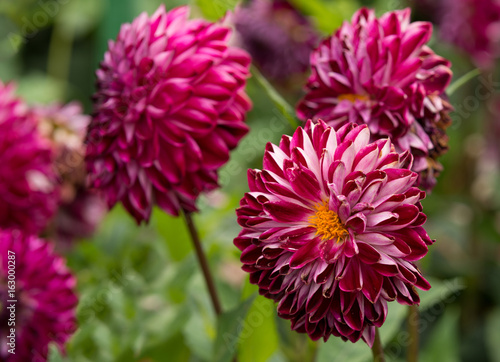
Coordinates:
331	227
278	37
44	292
170	105
28	184
474	26
80	209
381	73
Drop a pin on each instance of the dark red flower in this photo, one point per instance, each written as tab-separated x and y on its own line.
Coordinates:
331	227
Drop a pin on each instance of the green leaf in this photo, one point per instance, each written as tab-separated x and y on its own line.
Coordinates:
174	232
196	336
443	344
280	103
215	9
258	340
77	17
445	291
54	354
229	328
493	334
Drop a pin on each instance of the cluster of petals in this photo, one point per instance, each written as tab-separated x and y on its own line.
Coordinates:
332	226
277	36
80	209
43	294
28	183
379	72
170	105
474	26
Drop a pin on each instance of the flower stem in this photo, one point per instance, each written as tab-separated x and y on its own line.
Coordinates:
413	315
462	80
377	349
202	259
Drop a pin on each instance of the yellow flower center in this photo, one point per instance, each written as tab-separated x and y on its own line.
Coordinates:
351	97
327	223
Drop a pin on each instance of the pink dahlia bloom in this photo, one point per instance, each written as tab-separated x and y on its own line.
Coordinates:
474	26
379	72
28	183
44	301
170	106
80	210
331	227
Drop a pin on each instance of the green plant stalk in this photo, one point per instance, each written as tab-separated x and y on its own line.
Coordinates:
59	58
413	315
202	259
462	81
377	349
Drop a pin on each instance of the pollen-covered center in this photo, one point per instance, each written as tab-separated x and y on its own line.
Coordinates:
351	97
327	223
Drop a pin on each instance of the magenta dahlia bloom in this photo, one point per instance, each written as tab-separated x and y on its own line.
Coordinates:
379	72
474	26
28	183
170	106
40	305
278	37
331	227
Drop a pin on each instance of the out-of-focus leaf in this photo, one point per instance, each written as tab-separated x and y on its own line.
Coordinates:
258	340
328	15
215	9
38	88
173	349
442	291
200	330
54	354
174	232
76	17
493	334
280	103
196	337
229	327
444	344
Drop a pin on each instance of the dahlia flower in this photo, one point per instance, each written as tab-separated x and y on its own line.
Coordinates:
379	72
474	26
40	305
331	227
277	36
80	210
28	183
170	106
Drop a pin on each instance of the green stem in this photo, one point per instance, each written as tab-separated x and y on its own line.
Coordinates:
285	108
202	259
377	349
413	316
59	58
462	81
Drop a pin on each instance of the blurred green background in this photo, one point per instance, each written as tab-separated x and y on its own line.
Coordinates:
142	297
